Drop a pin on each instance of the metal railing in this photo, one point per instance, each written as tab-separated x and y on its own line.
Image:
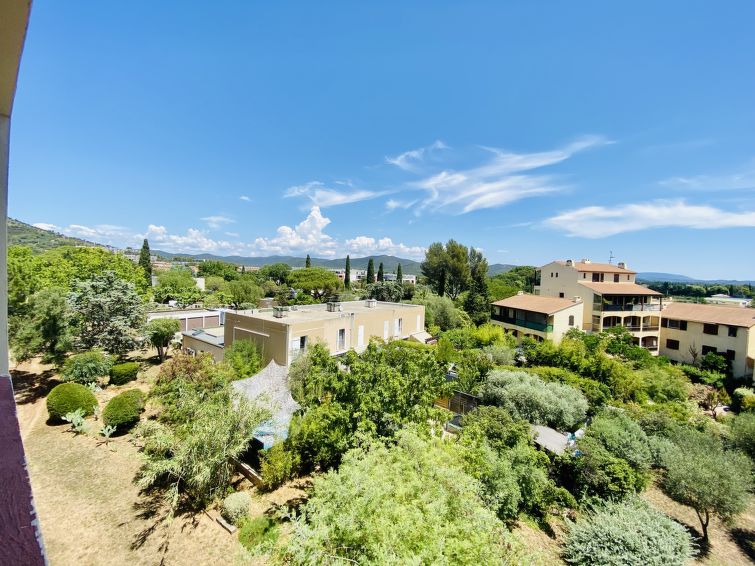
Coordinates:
540	326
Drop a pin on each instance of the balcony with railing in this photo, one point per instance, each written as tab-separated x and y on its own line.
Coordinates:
532	325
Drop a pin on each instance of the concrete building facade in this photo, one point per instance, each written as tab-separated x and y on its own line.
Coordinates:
688	328
610	297
282	333
541	318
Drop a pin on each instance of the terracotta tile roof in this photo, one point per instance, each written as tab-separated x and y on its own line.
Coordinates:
714	314
619	289
598	267
536	303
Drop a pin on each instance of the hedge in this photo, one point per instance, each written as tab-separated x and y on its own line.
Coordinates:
123	410
87	367
123	373
67	397
235	507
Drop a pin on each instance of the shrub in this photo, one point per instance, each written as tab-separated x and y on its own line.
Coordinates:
278	465
87	367
123	373
631	532
235	507
622	437
123	410
260	530
743	399
243	358
530	398
67	398
500	354
699	375
743	433
596	393
597	472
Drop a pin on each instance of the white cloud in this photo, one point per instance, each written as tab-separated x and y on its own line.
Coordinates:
245	198
411	160
46	226
499	181
194	241
217	221
732	182
602	221
323	197
392	204
306	237
366	245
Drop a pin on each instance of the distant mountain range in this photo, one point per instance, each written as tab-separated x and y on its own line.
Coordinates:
20	233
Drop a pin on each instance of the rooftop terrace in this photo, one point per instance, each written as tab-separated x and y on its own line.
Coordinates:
303	313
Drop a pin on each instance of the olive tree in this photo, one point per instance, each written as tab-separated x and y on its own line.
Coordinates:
160	332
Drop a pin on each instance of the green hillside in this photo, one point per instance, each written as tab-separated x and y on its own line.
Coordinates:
22	234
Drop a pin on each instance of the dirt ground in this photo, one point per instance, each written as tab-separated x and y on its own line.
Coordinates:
90	511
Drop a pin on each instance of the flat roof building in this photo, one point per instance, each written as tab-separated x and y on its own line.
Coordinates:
282	333
210	340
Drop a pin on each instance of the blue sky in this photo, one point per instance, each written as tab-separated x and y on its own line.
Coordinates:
532	130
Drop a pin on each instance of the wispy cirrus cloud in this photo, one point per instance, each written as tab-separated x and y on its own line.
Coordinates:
502	179
217	221
603	221
738	180
324	197
412	159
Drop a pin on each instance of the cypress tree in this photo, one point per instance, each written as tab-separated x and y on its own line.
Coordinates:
380	272
243	269
308	262
370	271
347	275
399	275
145	262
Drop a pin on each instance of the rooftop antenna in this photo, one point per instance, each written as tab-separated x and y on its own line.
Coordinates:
611	257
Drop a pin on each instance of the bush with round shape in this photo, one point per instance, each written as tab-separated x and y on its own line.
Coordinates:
87	367
67	398
630	532
743	399
235	507
123	410
123	373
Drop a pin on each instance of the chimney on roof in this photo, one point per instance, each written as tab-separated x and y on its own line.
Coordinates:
570	263
622	265
577	299
585	260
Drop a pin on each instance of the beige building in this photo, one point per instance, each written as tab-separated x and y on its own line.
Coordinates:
208	340
728	331
610	297
538	317
282	333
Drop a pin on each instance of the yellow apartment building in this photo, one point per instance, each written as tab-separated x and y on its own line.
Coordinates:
610	297
728	331
282	333
538	317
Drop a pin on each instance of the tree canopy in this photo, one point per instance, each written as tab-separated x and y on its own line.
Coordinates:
315	281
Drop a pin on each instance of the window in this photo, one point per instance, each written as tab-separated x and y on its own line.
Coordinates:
584	276
709	350
596	277
360	336
571	320
398	324
627	277
730	355
302	342
560	295
673	323
710	329
385	330
551	274
672	344
557	274
732	331
615	277
341	339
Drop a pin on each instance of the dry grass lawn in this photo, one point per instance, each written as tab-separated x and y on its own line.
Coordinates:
90	511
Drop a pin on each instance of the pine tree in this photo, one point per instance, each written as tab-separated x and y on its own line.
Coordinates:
308	262
145	261
380	272
399	275
347	274
370	271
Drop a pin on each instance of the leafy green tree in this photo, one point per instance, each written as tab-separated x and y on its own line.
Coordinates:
347	273
435	268
22	279
622	437
441	312
308	262
704	476
743	433
434	515
528	397
380	274
315	281
321	436
477	301
629	532
243	358
370	271
458	273
160	332
145	262
176	284
44	329
244	291
399	274
196	456
389	291
217	268
107	313
277	272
